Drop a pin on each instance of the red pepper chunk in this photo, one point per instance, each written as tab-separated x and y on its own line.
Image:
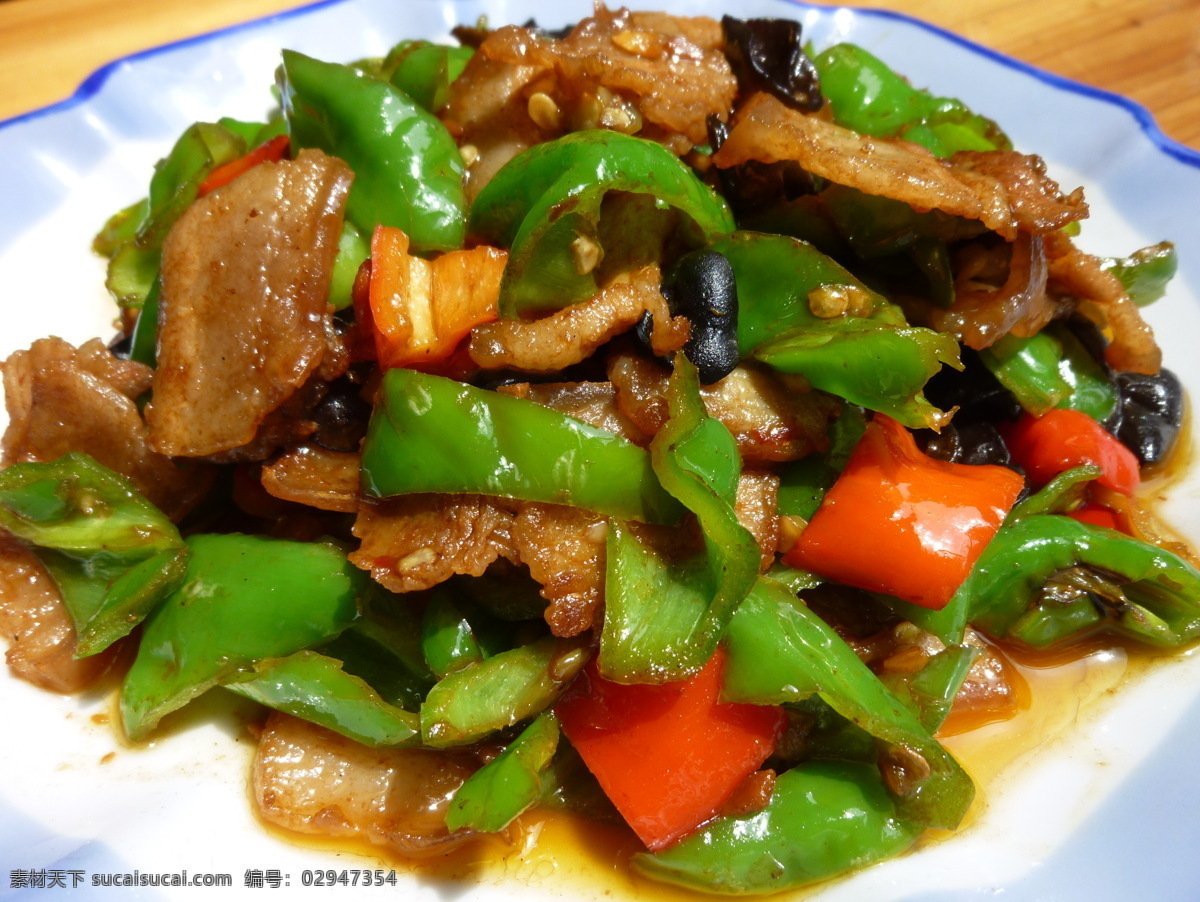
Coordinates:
272	151
667	755
1097	516
1064	439
422	309
900	522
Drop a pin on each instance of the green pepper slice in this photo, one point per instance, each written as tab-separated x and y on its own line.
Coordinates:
866	95
408	172
1046	577
780	652
663	619
432	434
113	554
510	783
317	688
425	71
500	691
547	196
875	360
244	598
824	818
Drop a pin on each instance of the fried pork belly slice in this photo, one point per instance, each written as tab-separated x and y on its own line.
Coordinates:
488	113
563	547
315	476
243	316
571	334
414	542
757	509
311	780
1104	299
1006	191
671	70
595	403
639	73
982	314
35	620
62	399
771	419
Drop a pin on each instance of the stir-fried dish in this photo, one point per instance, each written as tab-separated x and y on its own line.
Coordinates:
661	420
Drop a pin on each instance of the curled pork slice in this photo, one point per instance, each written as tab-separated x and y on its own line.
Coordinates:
642	73
563	547
1080	276
312	780
757	509
571	334
772	420
243	319
62	399
981	314
34	619
1006	191
593	402
671	70
312	475
414	542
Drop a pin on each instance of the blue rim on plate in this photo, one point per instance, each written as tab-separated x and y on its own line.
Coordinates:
1161	846
1145	119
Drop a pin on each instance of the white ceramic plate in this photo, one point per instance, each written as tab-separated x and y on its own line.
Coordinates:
1110	812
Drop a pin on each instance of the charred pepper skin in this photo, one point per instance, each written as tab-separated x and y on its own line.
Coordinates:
1151	594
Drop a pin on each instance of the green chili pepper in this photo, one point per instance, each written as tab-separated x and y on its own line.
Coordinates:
663	619
1060	495
353	250
316	688
824	818
144	341
874	360
113	554
1051	369
431	434
930	692
121	227
509	784
383	648
424	71
550	195
869	97
781	652
503	690
1046	577
407	169
134	262
245	598
1145	273
455	635
881	367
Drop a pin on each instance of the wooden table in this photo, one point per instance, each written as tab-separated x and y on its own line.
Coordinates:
1146	49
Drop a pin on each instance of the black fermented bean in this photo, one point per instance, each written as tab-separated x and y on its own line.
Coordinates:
705	292
341	417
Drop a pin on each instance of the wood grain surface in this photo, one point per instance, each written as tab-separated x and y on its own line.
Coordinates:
1148	50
